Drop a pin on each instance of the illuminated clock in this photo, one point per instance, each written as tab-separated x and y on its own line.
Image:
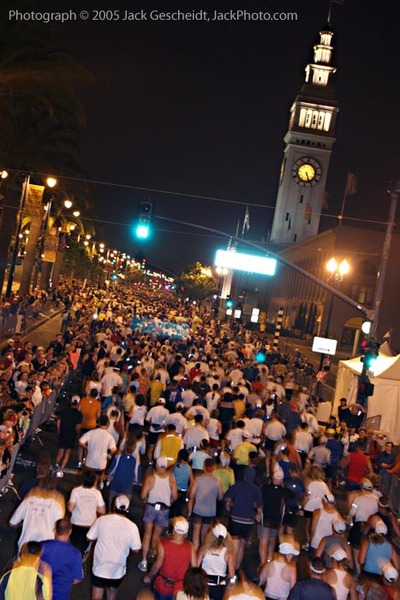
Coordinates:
306	171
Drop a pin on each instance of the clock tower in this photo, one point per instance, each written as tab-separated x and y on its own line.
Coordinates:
309	142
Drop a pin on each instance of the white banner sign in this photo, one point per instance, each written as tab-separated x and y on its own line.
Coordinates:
324	345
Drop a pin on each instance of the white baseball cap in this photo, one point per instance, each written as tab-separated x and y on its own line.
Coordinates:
220	530
367	484
181	525
389	572
289	548
381	528
338	553
122	502
339	525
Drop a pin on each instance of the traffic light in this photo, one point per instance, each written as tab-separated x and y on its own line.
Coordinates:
370	349
143	225
143	264
229	302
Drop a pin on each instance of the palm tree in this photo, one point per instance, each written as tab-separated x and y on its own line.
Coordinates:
40	117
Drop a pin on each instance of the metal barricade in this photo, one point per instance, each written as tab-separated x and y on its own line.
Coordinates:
6	481
390	487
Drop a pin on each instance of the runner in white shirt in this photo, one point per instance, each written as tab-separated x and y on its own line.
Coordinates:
303	442
38	513
198	409
234	436
116	536
85	504
256	426
99	445
110	380
193	436
177	419
212	398
188	396
274	432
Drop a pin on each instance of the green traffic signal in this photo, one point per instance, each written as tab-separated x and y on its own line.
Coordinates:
142	231
143	226
370	360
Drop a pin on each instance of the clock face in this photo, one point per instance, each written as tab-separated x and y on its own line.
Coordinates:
306	171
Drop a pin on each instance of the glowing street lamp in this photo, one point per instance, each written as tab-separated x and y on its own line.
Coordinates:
337	271
51	182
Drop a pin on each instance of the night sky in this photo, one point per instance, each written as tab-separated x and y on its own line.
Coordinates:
202	108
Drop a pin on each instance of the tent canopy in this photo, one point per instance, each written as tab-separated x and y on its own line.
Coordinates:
385	401
387	367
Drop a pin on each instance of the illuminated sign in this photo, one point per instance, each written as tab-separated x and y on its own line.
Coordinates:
238	261
324	345
237	314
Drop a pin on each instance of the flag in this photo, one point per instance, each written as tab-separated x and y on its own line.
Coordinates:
351	184
246	220
341	2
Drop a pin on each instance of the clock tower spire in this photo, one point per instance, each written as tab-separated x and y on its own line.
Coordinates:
309	142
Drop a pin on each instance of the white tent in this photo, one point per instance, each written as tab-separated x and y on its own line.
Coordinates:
386	399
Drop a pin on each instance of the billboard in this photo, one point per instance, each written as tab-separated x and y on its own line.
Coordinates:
238	261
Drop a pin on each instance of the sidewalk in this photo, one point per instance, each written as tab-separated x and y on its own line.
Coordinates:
33	323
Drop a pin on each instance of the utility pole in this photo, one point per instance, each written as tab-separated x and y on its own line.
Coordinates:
394	192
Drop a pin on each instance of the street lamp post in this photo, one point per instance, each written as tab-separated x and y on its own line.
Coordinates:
336	271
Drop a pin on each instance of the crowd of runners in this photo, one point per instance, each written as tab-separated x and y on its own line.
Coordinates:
207	425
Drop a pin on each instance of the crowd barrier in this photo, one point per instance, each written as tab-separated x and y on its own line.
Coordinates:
41	414
316	388
18	323
390	487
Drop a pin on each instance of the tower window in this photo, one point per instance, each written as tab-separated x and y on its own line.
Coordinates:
301	199
287	217
302	117
327	121
308	119
314	119
295	237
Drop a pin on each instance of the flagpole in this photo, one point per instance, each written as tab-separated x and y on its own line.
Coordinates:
330	12
340	217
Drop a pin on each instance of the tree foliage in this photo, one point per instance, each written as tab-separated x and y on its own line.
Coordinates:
40	115
196	285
